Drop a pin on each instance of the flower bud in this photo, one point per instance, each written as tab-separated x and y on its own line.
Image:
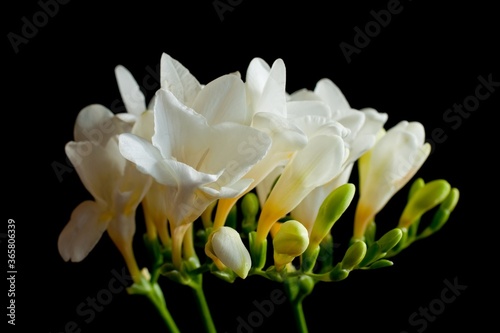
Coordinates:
289	242
390	239
424	199
226	248
354	255
330	211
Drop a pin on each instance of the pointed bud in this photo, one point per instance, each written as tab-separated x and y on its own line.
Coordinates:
426	198
390	239
338	274
289	242
381	263
415	186
354	255
442	214
249	209
330	211
226	248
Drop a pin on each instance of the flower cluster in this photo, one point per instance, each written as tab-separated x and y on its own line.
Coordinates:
229	165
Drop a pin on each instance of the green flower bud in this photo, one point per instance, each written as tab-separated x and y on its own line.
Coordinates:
381	263
424	199
306	285
443	213
390	239
249	209
415	187
354	255
290	241
330	211
338	274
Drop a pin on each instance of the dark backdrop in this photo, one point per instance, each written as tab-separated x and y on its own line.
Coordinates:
414	64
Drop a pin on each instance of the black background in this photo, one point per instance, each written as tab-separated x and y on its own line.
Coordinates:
425	60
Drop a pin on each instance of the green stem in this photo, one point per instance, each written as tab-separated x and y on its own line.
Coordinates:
300	318
159	302
203	305
154	293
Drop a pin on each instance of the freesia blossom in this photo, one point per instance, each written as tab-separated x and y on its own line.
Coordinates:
363	126
197	163
266	98
114	183
386	168
317	163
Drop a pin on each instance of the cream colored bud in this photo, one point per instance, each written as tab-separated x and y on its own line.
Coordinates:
289	242
226	248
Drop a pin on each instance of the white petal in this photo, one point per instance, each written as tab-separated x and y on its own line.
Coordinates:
178	129
147	158
256	77
236	156
223	99
99	168
315	165
331	94
306	108
131	93
82	232
273	98
95	123
177	79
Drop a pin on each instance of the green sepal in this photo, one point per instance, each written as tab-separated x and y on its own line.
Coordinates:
273	274
325	257
154	249
226	275
258	252
308	259
370	233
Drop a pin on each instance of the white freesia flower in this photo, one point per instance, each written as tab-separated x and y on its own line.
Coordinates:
266	98
316	164
226	248
363	126
198	163
386	168
114	183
